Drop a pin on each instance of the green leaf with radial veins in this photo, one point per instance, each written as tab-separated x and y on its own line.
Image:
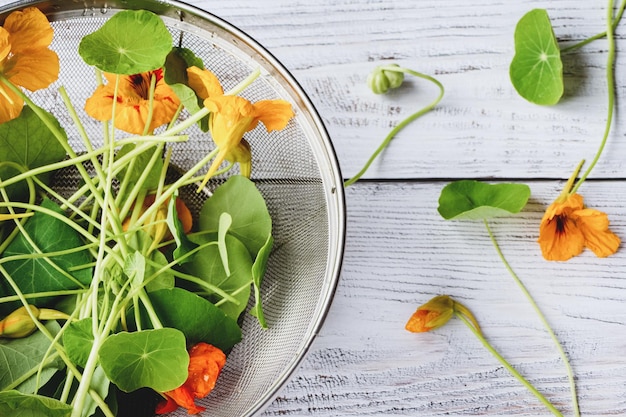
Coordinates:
130	42
475	200
156	359
536	70
16	404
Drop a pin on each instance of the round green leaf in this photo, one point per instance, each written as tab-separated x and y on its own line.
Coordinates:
130	42
475	200
536	70
155	359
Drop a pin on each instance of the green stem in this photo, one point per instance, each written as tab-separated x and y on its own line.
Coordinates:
508	366
587	41
402	124
542	318
610	81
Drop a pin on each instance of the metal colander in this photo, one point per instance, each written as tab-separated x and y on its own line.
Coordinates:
295	169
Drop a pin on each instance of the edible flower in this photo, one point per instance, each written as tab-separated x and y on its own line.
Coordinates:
568	227
25	60
20	324
132	110
233	116
437	312
205	364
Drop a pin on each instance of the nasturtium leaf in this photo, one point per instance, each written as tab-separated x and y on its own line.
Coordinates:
208	266
156	359
130	42
78	340
36	274
141	161
199	319
22	357
152	277
536	70
258	272
475	200
28	142
239	197
175	75
16	404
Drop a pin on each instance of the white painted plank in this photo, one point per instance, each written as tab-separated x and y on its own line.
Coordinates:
482	128
400	253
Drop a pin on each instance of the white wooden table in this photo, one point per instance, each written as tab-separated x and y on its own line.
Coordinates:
400	252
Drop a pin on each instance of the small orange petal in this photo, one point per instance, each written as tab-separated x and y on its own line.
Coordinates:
418	321
34	70
275	114
29	29
595	227
560	239
204	83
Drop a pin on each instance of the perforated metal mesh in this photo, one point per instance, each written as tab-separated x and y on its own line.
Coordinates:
295	170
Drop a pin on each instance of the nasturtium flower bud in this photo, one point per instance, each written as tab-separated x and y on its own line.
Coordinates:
383	78
18	324
435	313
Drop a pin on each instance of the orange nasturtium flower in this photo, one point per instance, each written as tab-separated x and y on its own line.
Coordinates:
233	116
568	227
437	312
133	102
25	59
205	364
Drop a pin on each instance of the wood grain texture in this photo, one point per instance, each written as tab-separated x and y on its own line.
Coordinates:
481	128
399	251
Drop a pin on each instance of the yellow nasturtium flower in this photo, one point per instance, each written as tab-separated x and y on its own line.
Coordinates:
437	312
25	60
233	116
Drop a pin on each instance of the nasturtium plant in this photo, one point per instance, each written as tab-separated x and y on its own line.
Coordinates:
476	200
155	358
536	70
78	339
130	42
137	167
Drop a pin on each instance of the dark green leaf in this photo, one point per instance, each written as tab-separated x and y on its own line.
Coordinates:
208	266
16	404
536	70
239	197
475	200
156	359
196	317
130	42
176	64
28	142
78	339
22	357
36	274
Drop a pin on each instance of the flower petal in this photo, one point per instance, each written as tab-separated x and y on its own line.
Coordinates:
205	364
184	398
29	29
5	44
275	114
204	83
100	104
9	110
34	70
595	227
560	238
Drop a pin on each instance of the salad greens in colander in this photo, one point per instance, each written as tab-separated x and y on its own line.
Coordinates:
117	287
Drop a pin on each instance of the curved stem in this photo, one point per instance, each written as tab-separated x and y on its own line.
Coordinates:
402	124
610	81
587	41
542	318
508	366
